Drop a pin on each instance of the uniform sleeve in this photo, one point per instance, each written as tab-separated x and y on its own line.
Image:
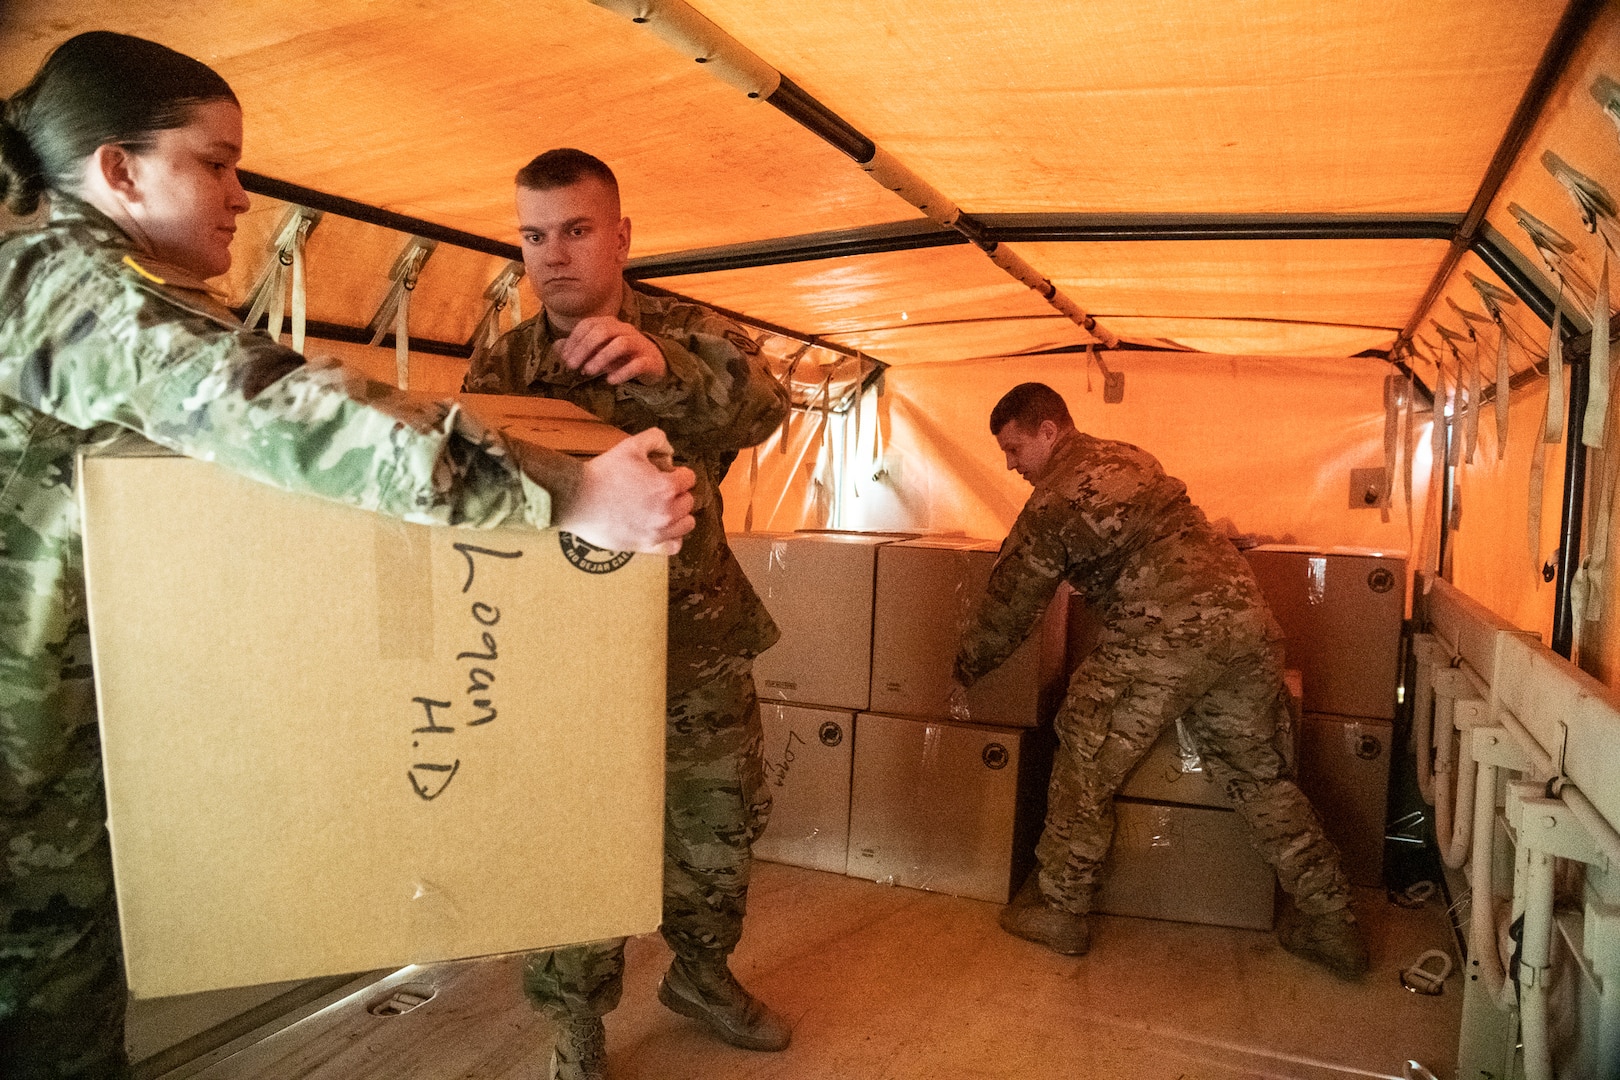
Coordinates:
88	341
1023	582
718	392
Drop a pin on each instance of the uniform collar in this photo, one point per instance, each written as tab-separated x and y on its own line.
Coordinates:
70	211
629	311
1061	449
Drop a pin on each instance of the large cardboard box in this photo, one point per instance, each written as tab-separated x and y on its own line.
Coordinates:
1185	864
818	588
927	590
952	808
336	742
808	757
1344	771
1173	770
1341	610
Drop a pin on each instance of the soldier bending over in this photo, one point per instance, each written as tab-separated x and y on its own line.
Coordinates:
1185	633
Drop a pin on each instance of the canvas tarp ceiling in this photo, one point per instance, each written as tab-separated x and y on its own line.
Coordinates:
1170	108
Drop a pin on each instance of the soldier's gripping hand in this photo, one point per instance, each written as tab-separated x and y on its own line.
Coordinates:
603	345
631	499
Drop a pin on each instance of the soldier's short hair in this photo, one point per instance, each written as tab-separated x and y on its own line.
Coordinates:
564	166
1029	404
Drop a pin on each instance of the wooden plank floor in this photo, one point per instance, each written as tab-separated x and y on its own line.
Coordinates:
884	983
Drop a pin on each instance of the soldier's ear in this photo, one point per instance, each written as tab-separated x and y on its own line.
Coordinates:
112	166
623	245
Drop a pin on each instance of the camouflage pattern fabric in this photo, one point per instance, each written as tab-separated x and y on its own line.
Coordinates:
1185	633
716	399
95	338
716	804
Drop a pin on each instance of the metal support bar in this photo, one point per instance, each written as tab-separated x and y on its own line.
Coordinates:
1495	747
1569	527
372	215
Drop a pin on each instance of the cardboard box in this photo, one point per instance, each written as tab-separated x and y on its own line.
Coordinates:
1344	771
927	590
336	742
1341	610
1173	770
1185	864
808	757
818	588
952	808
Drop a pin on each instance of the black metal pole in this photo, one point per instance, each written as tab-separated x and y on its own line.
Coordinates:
1569	529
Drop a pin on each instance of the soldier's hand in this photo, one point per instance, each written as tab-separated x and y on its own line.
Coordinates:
604	345
630	499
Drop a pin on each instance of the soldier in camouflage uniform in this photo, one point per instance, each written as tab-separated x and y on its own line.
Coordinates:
1185	633
637	360
99	334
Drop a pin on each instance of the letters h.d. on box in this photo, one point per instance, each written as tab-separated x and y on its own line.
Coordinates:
336	742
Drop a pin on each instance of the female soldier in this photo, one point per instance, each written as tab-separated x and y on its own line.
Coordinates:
105	324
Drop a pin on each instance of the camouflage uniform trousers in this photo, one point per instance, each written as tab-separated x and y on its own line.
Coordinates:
1222	676
62	992
715	806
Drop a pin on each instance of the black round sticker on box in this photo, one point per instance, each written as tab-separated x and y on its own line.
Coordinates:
589	557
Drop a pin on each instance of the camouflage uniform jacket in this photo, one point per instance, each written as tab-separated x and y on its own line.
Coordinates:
716	399
96	338
1106	518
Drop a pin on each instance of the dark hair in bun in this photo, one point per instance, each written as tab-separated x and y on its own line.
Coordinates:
94	89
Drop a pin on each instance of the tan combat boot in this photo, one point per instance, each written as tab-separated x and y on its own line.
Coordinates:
711	993
1034	918
1330	939
579	1051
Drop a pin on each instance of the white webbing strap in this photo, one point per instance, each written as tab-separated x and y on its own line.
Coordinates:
278	299
1392	442
1504	376
1474	381
300	304
1553	428
402	339
395	311
1411	448
501	294
1538	479
787	380
753	484
1437	457
1454	453
1597	371
286	260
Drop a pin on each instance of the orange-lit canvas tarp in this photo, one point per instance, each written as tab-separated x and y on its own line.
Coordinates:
1163	106
1266	444
1166	108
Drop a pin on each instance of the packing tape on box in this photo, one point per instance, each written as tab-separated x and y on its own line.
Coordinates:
403	565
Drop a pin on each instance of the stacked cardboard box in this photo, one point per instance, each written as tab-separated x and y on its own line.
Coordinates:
1341	611
870	625
818	587
1180	851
